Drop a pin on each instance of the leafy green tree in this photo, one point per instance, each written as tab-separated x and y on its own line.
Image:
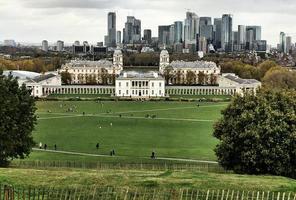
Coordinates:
190	78
201	78
279	78
257	134
17	120
66	78
168	74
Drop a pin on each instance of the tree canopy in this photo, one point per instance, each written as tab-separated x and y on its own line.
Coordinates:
17	120
257	134
278	78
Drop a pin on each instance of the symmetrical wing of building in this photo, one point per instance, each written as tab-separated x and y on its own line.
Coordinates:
110	78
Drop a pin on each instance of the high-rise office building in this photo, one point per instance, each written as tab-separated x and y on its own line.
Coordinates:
45	45
172	34
283	43
226	33
235	41
250	39
164	35
242	37
288	44
178	38
256	32
205	21
191	28
207	31
132	31
148	36
60	45
111	29
217	32
118	37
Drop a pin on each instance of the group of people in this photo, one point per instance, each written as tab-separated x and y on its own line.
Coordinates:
112	152
45	146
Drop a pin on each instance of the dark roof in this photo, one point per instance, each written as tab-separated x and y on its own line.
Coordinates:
240	80
43	77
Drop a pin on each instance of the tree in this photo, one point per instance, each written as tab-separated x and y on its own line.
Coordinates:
168	74
213	79
257	134
66	78
190	78
17	120
278	78
201	78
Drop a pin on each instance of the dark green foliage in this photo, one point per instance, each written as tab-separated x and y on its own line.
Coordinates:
17	120
258	134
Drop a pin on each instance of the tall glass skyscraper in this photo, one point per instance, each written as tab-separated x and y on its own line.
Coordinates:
217	32
178	32
191	28
242	37
226	33
283	47
111	29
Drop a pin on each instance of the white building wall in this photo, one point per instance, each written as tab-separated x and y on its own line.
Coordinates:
149	88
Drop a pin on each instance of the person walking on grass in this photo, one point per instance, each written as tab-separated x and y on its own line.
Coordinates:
55	147
98	146
153	155
40	145
45	146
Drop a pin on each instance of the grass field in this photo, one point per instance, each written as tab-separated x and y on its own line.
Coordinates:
60	178
179	129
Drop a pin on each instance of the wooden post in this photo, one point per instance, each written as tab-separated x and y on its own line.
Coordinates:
207	197
227	194
222	195
94	193
284	195
197	193
258	194
232	193
126	193
278	196
237	195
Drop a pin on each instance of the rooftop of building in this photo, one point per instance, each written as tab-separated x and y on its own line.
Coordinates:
21	74
89	63
140	75
239	80
40	78
196	64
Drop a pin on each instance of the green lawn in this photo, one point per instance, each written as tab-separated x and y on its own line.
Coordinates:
180	129
60	178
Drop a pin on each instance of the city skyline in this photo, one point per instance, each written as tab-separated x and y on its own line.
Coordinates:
64	19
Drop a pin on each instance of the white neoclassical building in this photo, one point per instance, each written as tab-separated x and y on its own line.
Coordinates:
180	69
241	85
140	85
99	72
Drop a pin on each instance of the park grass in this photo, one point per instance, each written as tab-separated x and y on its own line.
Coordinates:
61	178
175	132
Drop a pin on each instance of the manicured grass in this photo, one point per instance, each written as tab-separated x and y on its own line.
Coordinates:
180	129
141	178
79	95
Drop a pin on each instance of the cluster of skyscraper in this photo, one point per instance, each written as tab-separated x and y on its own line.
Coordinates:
285	45
201	34
194	34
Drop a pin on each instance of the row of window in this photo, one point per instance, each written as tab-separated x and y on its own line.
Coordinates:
140	92
139	84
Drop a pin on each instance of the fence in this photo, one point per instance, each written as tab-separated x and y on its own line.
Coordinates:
109	193
207	167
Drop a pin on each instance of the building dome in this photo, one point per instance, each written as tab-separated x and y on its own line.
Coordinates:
117	51
164	52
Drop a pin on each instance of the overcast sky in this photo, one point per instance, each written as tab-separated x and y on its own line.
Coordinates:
70	20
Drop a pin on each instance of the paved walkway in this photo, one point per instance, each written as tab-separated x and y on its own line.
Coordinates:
101	155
